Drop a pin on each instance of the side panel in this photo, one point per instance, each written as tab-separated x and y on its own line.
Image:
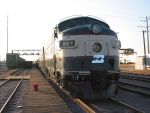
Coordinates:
12	60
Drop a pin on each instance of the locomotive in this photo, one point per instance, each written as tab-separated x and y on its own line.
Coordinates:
82	56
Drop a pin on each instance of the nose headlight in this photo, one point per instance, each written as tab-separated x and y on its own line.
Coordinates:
97	47
95	28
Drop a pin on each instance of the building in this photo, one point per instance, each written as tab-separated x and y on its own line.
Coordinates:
127	56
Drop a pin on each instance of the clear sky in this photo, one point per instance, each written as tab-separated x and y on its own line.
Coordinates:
31	21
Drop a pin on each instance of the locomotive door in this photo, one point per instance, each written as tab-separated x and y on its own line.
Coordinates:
98	51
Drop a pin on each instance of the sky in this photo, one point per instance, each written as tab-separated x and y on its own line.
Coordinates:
30	21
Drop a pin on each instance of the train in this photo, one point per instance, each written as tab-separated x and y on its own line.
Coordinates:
82	57
13	60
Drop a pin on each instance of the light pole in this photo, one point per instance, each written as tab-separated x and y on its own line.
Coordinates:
144	49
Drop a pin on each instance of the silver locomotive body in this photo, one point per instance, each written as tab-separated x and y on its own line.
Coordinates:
83	57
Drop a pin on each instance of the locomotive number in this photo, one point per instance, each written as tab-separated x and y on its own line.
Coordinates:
98	59
67	43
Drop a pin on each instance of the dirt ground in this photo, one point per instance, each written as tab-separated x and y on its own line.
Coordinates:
130	68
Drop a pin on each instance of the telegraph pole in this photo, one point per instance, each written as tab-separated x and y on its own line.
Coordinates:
7	33
147	33
147	30
144	48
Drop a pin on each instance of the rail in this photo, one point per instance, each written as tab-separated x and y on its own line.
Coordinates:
136	110
9	98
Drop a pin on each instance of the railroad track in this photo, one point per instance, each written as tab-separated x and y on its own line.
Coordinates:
136	77
3	82
135	83
110	106
17	72
8	94
131	108
115	103
94	108
104	106
3	70
135	93
9	87
136	88
22	72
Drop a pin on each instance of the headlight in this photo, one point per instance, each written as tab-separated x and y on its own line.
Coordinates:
95	28
116	44
97	47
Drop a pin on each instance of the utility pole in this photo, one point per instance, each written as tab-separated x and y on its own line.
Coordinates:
7	33
144	48
147	33
147	30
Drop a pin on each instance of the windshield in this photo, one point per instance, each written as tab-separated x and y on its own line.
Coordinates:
76	22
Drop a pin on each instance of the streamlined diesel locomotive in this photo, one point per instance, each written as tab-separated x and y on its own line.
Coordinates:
82	57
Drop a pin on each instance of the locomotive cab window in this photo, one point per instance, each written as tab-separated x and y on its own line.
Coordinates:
71	23
102	24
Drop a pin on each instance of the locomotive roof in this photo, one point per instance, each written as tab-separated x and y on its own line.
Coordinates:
80	16
83	20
